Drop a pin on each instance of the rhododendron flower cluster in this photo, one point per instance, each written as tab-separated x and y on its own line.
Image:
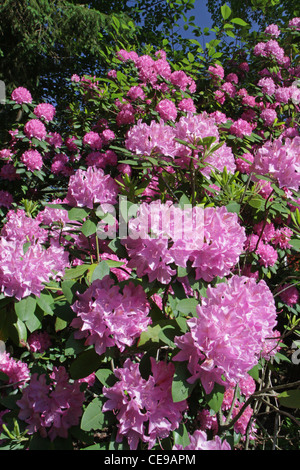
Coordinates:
228	326
21	95
92	186
25	263
45	111
281	161
289	294
51	408
199	441
164	234
144	408
32	159
25	272
17	371
35	129
6	199
108	317
162	139
39	341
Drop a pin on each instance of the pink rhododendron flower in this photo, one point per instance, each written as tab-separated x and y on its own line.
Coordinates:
281	161
267	85
272	30
218	160
244	66
135	93
59	165
126	115
55	139
17	371
289	294
219	96
45	111
216	71
187	105
144	409
283	94
21	95
93	140
122	272
282	237
264	229
35	129
240	128
89	380
6	154
295	23
20	227
167	110
90	187
229	89
163	234
9	172
234	321
217	256
192	127
101	160
244	163
268	115
125	55
219	117
32	159
199	441
22	274
39	341
6	199
180	79
143	139
232	77
108	317
51	408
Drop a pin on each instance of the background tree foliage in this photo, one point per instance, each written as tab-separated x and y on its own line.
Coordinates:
43	41
255	12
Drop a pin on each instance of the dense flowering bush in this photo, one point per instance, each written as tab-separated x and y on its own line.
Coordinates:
148	252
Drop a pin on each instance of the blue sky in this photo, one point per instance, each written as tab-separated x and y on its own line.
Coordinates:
202	19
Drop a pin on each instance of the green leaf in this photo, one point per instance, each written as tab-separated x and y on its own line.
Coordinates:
290	398
44	301
181	389
25	308
88	228
187	306
215	398
93	418
35	321
106	377
21	330
74	273
100	271
225	11
151	335
256	203
78	213
181	436
295	242
239	21
231	35
85	363
233	207
68	289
